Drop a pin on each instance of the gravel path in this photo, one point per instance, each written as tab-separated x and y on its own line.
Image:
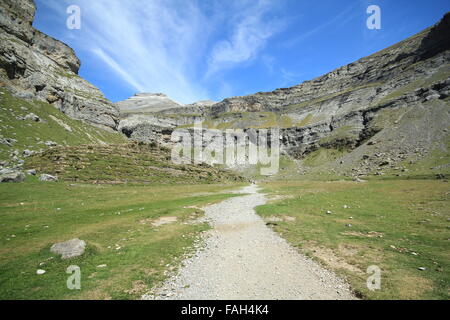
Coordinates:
244	259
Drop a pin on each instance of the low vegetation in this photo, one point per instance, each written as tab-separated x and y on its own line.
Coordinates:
401	226
126	253
53	126
123	163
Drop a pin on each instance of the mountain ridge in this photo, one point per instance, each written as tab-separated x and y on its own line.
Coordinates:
344	109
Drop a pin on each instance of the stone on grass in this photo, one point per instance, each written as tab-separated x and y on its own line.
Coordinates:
10	175
50	143
48	178
40	271
32	117
69	249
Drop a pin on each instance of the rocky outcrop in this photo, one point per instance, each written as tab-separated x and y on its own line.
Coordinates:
36	66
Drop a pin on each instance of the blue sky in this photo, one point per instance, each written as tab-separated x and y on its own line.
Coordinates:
213	49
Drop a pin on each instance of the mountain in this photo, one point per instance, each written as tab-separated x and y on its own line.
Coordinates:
384	112
36	66
146	102
54	121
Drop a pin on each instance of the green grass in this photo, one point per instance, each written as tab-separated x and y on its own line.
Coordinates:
307	120
30	135
340	137
391	220
241	120
322	156
105	217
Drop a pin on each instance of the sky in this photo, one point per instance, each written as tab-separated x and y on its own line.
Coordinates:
195	50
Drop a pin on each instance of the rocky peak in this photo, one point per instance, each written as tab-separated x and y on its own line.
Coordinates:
202	103
147	103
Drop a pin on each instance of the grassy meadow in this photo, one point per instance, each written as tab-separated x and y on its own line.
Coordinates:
116	221
397	225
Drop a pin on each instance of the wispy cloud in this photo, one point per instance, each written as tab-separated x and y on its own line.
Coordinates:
247	38
170	46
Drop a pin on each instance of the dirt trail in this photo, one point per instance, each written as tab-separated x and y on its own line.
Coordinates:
244	259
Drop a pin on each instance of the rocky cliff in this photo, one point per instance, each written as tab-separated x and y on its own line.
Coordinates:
369	115
36	66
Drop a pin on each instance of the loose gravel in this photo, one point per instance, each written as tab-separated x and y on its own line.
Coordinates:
242	258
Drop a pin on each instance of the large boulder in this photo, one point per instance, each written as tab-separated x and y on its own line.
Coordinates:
11	175
69	249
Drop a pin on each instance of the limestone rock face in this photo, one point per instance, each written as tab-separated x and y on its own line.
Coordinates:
362	81
36	66
392	104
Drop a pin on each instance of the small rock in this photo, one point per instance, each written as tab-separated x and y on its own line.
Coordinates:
102	266
27	153
31	172
422	268
40	271
48	178
328	212
50	143
33	117
11	175
7	141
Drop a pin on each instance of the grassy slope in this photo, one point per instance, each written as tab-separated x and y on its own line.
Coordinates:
34	215
30	134
409	215
132	162
106	217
